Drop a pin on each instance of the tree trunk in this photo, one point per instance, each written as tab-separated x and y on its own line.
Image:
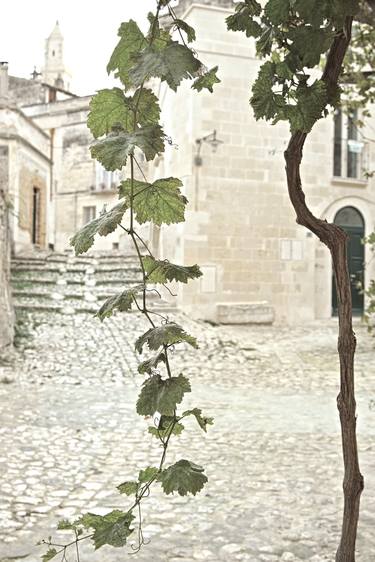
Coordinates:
336	240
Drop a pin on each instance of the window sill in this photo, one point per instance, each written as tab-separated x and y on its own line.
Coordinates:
349	182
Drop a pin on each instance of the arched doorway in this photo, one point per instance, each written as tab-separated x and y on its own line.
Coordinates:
351	220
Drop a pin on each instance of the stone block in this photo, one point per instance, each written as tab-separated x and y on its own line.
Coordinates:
245	313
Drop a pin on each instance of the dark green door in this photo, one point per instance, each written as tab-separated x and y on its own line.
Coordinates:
352	222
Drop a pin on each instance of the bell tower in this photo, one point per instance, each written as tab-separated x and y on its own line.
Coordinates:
54	71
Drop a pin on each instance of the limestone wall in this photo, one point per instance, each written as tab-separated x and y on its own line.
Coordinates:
240	225
6	313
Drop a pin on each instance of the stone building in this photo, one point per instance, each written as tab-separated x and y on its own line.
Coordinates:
258	264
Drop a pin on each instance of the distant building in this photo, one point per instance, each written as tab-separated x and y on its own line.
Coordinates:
258	264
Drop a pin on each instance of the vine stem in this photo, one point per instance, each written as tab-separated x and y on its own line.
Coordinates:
336	240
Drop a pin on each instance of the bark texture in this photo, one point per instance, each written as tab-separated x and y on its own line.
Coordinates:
336	240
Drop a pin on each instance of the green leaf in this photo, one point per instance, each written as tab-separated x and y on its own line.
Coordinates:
65	525
114	149
159	395
243	20
147	474
112	529
162	271
152	363
160	202
103	225
122	302
167	334
147	106
183	26
121	61
266	38
277	11
203	421
172	64
128	488
183	477
207	80
51	553
263	98
309	44
109	108
161	432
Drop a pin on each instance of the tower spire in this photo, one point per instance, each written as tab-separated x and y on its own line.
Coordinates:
54	71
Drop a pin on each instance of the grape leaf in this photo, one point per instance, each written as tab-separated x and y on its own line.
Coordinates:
164	432
242	19
152	363
147	106
162	271
172	64
159	395
147	474
121	61
109	108
277	11
159	202
113	528
183	477
167	334
263	98
183	26
207	80
114	149
128	488
121	302
103	225
203	421
309	43
51	553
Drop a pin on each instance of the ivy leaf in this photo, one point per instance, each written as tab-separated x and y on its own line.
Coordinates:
128	488
147	105
158	395
103	225
152	363
160	202
147	474
183	26
162	271
121	61
114	149
172	64
167	334
277	11
207	80
122	302
109	108
183	477
112	529
51	553
203	421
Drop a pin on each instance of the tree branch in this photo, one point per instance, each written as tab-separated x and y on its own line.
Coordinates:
336	240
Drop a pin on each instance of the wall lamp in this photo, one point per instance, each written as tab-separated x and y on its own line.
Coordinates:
209	139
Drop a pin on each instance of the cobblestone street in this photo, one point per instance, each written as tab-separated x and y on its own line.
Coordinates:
70	434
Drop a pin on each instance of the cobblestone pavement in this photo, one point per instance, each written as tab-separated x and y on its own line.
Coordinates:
70	434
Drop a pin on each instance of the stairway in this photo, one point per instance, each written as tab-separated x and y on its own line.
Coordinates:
64	283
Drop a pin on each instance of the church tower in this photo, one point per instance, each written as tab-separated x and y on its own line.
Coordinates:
54	71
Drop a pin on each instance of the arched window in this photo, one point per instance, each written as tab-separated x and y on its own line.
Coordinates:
349	217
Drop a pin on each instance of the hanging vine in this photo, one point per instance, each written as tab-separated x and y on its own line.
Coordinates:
122	124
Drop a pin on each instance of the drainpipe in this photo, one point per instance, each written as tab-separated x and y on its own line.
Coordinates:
4	83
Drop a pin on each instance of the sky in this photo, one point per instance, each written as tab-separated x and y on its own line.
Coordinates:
89	30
